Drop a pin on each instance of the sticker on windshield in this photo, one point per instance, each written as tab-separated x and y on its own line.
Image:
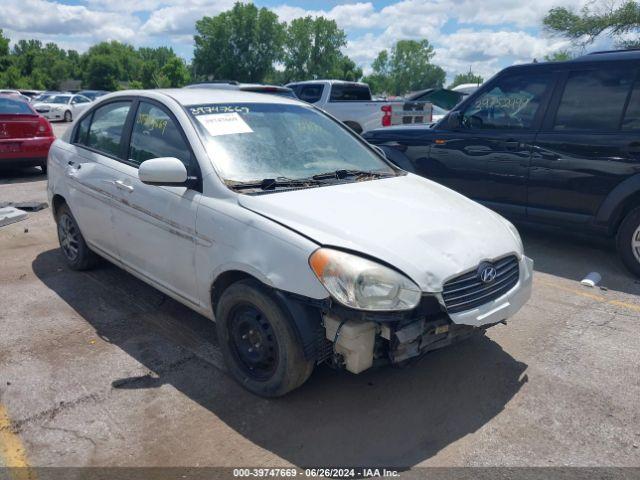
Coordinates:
224	124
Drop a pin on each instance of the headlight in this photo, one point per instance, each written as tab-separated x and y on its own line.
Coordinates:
360	283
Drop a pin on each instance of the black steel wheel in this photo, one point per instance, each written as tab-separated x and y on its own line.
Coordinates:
253	342
258	339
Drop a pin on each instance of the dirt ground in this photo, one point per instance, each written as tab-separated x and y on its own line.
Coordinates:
99	369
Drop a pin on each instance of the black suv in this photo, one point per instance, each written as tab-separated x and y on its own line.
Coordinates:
555	143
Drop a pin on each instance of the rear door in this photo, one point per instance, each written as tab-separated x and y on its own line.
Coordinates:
90	172
487	158
586	146
155	225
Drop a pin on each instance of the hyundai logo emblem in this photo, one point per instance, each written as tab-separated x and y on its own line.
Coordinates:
487	273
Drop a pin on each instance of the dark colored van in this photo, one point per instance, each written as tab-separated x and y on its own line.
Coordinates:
553	143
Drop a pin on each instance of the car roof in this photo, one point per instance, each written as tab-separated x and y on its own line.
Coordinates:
331	82
594	57
237	86
201	96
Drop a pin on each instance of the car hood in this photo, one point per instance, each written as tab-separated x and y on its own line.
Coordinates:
427	231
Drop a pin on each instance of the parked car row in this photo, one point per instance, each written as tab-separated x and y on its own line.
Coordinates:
548	143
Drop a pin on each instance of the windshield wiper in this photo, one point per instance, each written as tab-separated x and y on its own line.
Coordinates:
273	183
340	174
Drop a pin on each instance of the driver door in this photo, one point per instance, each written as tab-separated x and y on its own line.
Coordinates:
487	158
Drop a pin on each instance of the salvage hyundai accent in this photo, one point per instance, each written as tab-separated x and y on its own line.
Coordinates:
301	241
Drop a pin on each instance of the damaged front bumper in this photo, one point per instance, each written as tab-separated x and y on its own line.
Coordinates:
355	340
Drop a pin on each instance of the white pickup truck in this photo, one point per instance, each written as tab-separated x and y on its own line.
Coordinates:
351	103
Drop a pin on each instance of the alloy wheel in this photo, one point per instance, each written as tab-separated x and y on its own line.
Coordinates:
69	237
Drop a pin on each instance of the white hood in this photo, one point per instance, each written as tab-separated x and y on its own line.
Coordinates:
425	230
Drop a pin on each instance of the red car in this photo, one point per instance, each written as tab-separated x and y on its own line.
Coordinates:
25	136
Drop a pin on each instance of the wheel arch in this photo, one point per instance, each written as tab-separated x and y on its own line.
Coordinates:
305	314
618	203
56	202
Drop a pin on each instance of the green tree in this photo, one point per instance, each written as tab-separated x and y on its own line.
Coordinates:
240	44
408	67
312	48
346	69
380	80
4	51
102	73
175	72
468	77
585	26
559	56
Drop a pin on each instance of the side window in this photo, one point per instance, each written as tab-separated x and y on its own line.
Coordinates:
82	130
511	104
632	116
105	133
349	92
156	135
310	93
594	99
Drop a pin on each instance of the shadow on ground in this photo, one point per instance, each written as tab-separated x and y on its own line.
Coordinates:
20	175
386	416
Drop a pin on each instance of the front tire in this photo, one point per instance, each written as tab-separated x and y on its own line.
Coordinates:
258	341
67	116
75	251
628	241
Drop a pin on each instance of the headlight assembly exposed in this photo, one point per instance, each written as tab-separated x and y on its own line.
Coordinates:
362	284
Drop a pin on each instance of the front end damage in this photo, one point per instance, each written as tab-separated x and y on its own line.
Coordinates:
356	340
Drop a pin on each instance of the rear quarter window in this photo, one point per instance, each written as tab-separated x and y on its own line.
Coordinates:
594	99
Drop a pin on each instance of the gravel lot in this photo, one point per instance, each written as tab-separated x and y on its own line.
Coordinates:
98	369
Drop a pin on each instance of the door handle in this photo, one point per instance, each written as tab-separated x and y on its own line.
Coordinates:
123	186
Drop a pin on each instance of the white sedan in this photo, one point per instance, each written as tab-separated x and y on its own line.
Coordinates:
62	107
302	242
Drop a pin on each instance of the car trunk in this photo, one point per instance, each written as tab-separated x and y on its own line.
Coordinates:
16	126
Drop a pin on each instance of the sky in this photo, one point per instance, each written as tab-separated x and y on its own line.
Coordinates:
484	35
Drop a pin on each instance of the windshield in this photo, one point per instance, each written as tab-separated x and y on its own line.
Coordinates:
250	142
58	99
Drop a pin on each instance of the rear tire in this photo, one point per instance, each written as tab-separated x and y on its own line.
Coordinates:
258	341
67	116
43	167
628	241
75	251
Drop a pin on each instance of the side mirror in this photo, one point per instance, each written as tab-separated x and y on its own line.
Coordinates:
454	120
163	171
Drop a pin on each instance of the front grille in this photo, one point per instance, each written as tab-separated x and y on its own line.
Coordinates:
467	291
